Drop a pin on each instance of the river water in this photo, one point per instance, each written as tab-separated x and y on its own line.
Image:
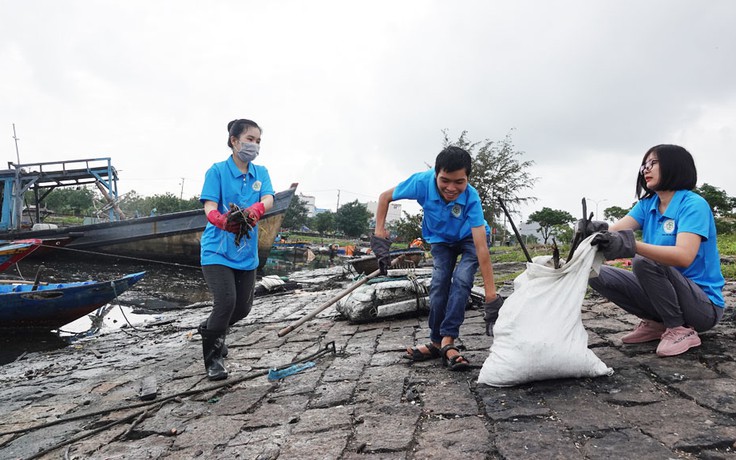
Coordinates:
164	287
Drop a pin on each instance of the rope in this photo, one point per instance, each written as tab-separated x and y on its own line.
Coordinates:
418	288
137	259
329	348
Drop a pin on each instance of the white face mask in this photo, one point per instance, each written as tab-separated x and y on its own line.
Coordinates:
248	151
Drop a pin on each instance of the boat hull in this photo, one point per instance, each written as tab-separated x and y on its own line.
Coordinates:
172	237
12	252
52	306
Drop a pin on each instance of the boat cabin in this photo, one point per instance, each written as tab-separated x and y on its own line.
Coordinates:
41	178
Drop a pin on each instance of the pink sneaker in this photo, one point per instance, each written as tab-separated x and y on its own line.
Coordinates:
646	331
677	340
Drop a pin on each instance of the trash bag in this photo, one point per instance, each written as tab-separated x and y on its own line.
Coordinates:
374	301
539	333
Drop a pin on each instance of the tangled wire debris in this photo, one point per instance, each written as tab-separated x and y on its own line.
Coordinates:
240	217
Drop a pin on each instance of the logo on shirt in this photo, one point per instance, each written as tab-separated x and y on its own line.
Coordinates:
257	186
456	210
669	226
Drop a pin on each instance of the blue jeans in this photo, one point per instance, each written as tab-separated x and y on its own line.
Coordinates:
450	288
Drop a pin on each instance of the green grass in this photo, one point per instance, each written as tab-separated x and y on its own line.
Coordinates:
500	254
726	247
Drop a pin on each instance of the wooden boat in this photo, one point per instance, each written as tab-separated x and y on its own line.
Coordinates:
368	264
13	251
30	306
166	237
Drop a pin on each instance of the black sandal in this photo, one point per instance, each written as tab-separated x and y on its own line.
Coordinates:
457	363
417	355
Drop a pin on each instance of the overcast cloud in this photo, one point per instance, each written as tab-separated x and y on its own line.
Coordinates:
354	96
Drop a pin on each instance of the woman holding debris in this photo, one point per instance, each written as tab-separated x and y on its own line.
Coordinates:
675	286
236	194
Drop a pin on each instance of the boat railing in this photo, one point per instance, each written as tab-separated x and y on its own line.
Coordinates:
55	173
49	175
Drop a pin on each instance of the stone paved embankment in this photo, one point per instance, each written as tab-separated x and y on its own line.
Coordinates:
365	402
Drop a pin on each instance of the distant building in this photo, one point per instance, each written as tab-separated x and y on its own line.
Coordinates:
308	202
530	229
393	214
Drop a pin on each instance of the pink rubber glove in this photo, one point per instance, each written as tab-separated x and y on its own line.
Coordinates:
255	212
219	220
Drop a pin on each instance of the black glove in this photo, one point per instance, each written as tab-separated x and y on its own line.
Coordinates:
381	248
586	228
490	313
615	245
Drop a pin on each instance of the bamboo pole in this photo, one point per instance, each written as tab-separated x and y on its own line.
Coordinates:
334	299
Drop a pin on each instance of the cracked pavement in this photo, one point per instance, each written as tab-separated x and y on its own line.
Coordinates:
366	401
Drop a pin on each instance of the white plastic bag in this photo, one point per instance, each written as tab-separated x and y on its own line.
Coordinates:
539	334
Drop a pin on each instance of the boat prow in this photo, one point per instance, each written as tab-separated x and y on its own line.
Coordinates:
44	307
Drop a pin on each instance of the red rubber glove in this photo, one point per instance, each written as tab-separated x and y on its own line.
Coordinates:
255	212
219	220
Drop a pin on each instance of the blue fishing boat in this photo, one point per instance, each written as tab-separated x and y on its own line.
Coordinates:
30	306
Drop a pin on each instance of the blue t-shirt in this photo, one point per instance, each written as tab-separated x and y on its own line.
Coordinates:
225	184
443	222
687	212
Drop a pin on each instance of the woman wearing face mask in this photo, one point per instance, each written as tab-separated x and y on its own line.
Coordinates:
675	285
229	268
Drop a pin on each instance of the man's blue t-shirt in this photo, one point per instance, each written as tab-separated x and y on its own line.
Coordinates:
687	212
224	183
443	222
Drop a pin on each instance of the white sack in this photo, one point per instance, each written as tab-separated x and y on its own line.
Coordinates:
539	334
385	299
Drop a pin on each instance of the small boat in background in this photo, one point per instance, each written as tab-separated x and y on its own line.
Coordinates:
33	306
13	251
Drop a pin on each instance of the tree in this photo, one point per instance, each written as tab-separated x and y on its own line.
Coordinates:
408	227
352	219
323	222
720	203
296	214
722	206
166	203
497	172
547	218
135	205
77	201
562	233
614	213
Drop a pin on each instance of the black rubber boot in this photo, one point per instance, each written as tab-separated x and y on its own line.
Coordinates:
212	342
203	325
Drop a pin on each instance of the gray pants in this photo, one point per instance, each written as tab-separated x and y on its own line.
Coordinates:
657	292
232	292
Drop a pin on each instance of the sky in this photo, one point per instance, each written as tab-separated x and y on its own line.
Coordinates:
354	97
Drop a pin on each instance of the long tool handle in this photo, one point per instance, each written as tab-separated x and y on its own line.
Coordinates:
37	280
516	232
339	296
579	236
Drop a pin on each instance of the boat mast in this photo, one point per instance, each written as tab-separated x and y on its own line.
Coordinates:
15	137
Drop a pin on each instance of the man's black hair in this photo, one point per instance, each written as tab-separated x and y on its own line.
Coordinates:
453	158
